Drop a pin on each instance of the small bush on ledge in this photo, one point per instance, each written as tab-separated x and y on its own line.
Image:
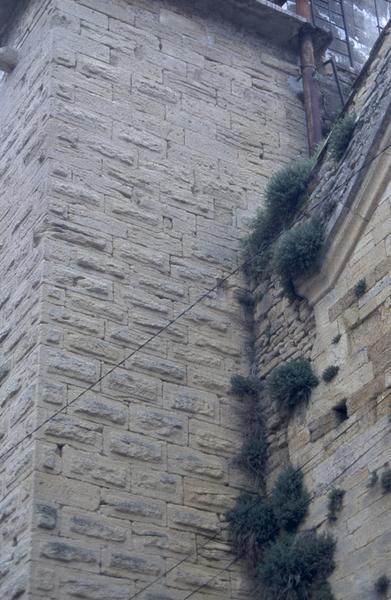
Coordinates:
286	189
245	386
290	499
252	525
329	373
341	135
335	503
253	455
385	480
292	382
297	252
284	192
360	288
382	585
245	298
295	567
322	592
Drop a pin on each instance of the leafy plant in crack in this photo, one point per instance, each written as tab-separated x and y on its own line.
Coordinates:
329	373
245	298
252	525
382	585
335	503
290	499
360	288
341	135
253	455
297	253
385	480
245	386
292	382
283	195
294	567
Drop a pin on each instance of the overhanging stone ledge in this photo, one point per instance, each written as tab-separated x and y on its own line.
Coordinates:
258	16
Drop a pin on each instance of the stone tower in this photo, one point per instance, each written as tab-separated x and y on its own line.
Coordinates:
136	137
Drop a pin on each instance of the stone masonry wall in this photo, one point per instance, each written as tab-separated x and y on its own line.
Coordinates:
336	448
24	112
334	452
164	126
345	453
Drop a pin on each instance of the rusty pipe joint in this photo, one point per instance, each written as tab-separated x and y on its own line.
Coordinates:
8	59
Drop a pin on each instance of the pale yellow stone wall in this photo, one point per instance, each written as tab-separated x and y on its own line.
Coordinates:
344	455
163	126
334	453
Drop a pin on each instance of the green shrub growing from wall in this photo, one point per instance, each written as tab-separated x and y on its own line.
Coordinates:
245	298
288	565
252	525
286	189
329	373
335	503
291	383
253	455
322	592
382	585
245	386
297	252
360	288
289	499
284	193
385	480
341	135
294	567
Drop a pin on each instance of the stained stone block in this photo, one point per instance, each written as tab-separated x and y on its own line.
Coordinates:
95	587
94	468
163	542
69	553
71	366
190	577
133	508
213	439
135	447
191	519
63	427
99	408
130	385
46	516
158	423
192	401
156	484
92	525
206	495
69	492
131	565
194	463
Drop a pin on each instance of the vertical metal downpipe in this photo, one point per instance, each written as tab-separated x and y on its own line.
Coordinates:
310	84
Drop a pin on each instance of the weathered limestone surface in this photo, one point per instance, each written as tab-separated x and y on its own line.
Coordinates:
136	139
334	451
25	108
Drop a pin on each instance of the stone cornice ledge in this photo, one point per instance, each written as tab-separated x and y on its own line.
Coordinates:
259	16
342	242
269	21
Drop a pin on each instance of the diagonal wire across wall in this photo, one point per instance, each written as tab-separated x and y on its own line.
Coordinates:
202	297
